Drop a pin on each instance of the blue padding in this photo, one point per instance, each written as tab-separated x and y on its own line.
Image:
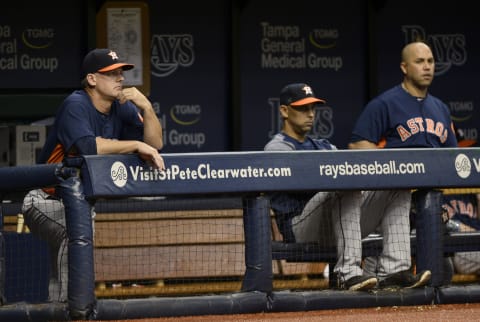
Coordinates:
430	234
335	299
458	294
258	245
81	273
238	303
244	172
24	312
251	302
22	177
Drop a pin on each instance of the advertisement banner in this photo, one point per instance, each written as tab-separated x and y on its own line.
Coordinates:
44	48
190	73
318	43
259	171
452	34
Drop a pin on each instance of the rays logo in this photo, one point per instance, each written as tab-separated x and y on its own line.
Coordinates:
118	173
323	126
168	52
448	49
463	166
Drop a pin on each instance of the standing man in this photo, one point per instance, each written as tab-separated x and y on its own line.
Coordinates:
405	116
336	218
101	118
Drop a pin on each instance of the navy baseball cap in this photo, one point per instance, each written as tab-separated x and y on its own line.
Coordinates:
102	60
298	94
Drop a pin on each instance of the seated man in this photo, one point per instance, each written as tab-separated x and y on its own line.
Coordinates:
463	216
342	218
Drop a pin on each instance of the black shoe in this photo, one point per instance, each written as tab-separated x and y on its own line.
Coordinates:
406	279
360	283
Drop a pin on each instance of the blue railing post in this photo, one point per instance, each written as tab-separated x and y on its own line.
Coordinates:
258	245
81	274
429	234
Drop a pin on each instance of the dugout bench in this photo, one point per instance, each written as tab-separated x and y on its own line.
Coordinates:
186	228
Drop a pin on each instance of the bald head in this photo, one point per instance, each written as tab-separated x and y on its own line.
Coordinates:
418	67
415	49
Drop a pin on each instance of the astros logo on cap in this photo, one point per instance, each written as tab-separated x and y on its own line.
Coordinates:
308	90
113	54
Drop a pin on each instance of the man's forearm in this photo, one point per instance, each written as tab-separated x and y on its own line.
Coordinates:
362	145
109	146
152	132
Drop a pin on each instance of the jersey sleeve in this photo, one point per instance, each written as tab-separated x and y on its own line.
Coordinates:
74	123
278	146
451	137
371	123
279	143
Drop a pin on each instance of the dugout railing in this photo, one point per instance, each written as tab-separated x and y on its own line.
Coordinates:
84	180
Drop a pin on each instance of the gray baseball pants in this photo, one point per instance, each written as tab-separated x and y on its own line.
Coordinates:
45	217
345	218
